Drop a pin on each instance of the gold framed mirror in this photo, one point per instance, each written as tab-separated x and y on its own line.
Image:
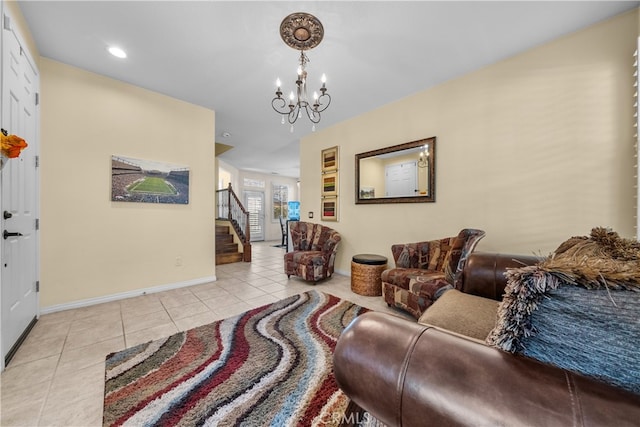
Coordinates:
403	173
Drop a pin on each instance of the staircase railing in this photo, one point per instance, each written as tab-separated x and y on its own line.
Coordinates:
230	208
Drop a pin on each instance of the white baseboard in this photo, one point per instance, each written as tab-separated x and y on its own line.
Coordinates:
342	272
123	295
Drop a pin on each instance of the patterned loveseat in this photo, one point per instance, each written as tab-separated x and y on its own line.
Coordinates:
425	269
314	251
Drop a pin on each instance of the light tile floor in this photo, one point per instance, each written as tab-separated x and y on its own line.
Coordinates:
57	376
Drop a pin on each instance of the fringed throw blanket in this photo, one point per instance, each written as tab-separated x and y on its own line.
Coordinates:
579	309
269	366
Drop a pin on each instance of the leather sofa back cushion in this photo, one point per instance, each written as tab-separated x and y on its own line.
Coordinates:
483	274
463	314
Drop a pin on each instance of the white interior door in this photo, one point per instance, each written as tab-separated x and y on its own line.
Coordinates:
401	180
19	199
254	203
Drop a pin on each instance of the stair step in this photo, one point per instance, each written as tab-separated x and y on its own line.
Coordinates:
224	238
222	229
226	248
228	258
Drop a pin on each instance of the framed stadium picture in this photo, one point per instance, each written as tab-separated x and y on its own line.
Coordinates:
146	181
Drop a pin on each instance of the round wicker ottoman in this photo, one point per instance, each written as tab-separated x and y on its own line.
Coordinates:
365	274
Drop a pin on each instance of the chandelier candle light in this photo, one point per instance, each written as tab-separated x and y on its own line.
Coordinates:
423	161
301	31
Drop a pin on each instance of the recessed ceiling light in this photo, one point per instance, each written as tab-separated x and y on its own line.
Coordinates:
117	52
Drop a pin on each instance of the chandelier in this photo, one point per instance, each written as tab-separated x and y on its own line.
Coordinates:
301	31
423	160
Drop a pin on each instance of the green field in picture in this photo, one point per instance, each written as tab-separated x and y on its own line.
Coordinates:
152	185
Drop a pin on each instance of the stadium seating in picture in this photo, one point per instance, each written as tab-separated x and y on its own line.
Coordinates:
131	183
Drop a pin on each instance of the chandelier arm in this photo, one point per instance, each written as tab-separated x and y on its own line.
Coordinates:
321	105
293	114
313	115
283	109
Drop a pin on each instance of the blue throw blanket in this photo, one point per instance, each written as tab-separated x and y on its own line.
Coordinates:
595	332
579	309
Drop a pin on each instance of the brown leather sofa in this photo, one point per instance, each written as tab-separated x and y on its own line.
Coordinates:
411	374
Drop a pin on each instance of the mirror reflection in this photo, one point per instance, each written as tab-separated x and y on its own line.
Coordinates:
402	173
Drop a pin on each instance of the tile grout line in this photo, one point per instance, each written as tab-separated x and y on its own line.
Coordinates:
124	334
53	376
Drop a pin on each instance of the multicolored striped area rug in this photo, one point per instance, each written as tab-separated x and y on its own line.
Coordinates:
268	366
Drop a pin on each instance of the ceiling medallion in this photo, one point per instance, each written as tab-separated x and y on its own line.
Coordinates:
301	31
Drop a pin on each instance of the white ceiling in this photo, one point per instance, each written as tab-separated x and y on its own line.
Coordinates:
226	55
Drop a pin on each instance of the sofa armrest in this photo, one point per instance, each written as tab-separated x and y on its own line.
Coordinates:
483	273
409	374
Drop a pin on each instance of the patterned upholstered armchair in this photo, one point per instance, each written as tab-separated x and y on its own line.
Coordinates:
314	251
425	269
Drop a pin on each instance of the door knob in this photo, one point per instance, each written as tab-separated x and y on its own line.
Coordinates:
7	234
7	215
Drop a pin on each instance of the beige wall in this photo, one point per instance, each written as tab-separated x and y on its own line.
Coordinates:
533	150
92	247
